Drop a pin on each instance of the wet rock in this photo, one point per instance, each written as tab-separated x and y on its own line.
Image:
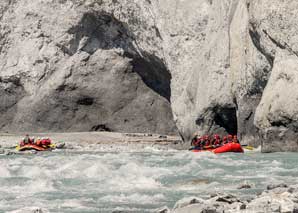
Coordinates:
60	145
187	201
273	186
244	186
164	209
195	208
228	198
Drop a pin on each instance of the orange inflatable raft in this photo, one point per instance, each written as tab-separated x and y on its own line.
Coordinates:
230	147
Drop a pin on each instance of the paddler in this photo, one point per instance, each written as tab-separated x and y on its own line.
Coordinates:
198	144
216	140
230	138
225	140
194	139
46	142
235	139
25	140
206	142
38	142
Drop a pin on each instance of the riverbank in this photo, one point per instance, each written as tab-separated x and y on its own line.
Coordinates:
104	140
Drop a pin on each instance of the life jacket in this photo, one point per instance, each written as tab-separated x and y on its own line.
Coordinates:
197	142
235	140
45	142
38	142
217	142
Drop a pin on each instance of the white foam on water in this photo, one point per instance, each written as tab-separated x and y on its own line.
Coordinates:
29	187
75	204
4	171
29	210
96	170
126	180
133	198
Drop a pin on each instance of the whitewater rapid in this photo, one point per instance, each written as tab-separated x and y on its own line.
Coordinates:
141	180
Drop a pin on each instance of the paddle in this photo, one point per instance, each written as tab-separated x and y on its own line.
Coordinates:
247	147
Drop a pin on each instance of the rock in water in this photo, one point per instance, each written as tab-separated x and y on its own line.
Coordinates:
60	145
244	186
187	201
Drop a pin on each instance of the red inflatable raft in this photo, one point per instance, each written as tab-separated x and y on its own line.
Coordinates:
31	147
230	147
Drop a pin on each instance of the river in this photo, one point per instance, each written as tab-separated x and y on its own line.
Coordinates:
142	180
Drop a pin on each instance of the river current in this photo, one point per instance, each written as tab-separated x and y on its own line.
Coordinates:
134	181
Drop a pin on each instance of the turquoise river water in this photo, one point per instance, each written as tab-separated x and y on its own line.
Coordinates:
139	181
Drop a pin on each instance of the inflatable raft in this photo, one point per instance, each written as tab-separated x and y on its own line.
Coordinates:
230	147
39	148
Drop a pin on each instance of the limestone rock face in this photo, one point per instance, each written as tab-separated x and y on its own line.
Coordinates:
209	66
74	66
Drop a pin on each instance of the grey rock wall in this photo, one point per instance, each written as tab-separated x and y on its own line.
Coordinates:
74	66
209	66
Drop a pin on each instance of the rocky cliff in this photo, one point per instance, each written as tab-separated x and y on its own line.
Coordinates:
225	66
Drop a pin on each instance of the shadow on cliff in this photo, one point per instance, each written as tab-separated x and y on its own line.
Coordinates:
103	31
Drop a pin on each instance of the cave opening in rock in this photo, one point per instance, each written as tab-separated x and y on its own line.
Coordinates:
226	118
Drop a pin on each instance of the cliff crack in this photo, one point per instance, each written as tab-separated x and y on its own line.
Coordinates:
281	45
256	37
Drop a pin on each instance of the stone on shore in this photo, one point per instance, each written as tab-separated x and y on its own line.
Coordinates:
277	198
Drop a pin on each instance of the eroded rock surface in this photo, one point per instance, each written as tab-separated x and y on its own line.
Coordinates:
75	66
224	66
279	198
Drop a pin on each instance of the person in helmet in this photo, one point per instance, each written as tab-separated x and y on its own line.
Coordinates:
225	140
216	140
206	140
25	140
46	142
38	142
230	138
194	139
198	144
235	139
